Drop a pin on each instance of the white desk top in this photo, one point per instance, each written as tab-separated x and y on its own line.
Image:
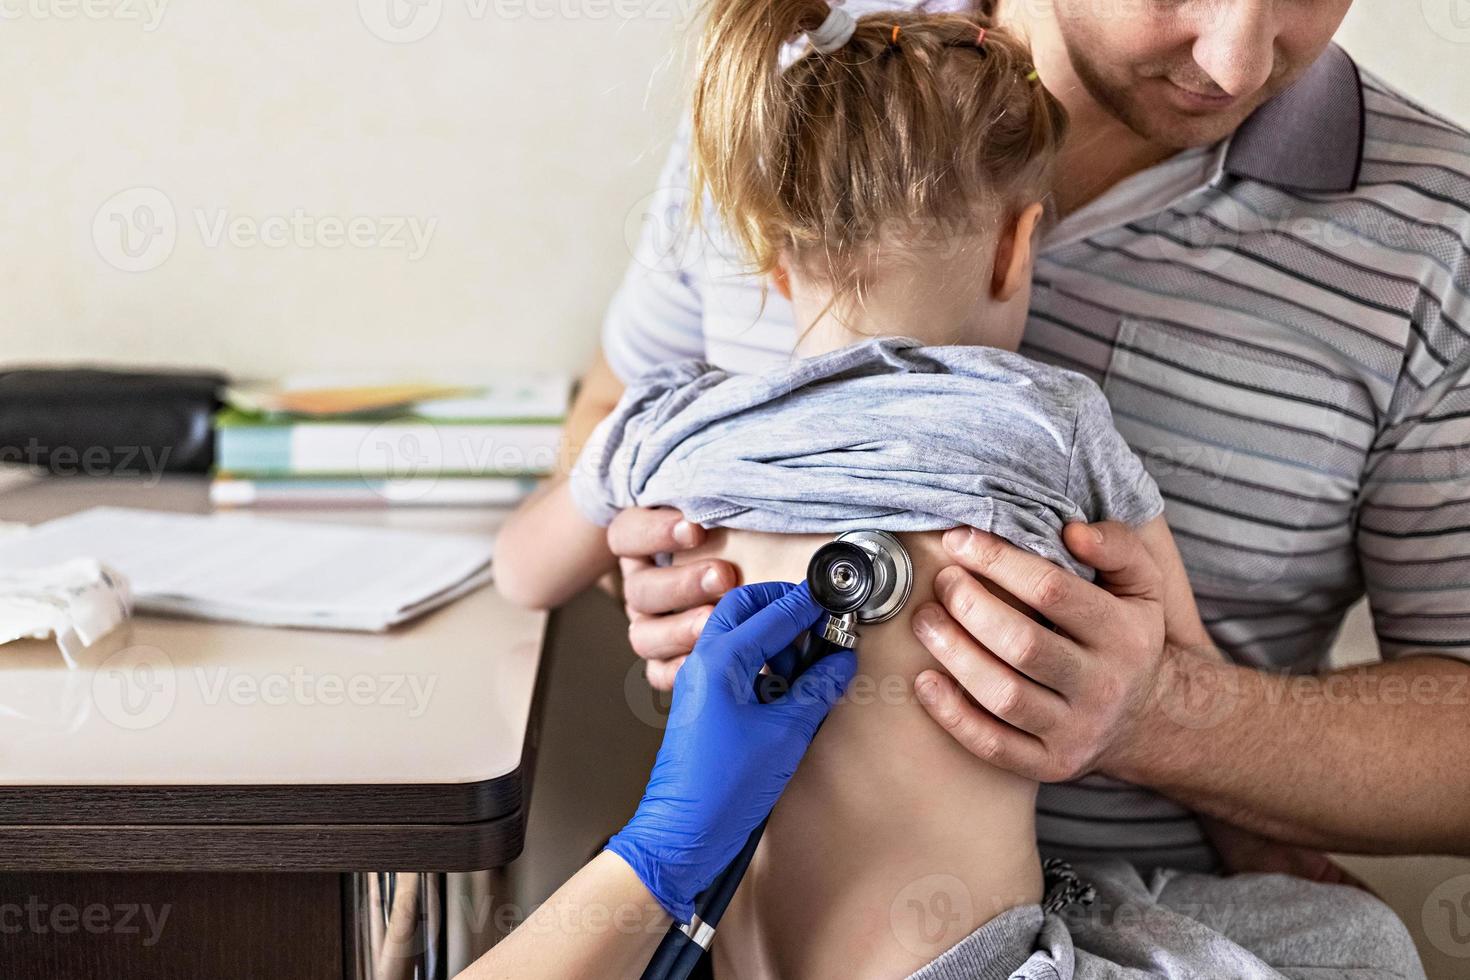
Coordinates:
445	699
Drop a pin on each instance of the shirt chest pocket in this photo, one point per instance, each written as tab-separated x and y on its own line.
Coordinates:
1258	453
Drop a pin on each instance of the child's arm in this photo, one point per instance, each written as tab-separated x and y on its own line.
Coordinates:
547	551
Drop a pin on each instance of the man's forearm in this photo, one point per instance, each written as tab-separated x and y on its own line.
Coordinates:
597	396
1369	759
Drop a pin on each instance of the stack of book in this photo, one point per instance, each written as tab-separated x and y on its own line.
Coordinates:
308	443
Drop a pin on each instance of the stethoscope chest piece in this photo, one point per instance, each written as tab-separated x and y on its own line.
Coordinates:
865	575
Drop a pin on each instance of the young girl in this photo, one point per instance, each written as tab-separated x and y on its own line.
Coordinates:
891	187
890	181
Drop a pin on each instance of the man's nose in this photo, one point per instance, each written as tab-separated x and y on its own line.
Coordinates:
1236	45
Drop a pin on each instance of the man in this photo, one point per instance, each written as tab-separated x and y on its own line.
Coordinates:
1264	258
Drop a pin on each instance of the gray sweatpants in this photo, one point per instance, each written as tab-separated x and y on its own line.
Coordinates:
1191	927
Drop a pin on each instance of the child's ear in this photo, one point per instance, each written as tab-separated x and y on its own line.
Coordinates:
781	279
1014	254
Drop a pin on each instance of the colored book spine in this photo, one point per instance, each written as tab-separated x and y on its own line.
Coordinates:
398	449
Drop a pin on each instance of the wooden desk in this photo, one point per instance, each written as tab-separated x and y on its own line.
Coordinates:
204	759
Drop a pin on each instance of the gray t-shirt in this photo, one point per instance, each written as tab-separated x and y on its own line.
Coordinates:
884	434
1180	926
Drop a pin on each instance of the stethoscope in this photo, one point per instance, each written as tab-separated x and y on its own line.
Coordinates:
860	578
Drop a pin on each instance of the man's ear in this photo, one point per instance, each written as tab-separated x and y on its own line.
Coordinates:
781	279
1014	253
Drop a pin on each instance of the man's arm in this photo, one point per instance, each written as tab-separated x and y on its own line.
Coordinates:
597	396
1350	761
1368	759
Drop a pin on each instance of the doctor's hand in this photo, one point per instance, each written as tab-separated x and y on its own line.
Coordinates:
666	607
1052	704
726	757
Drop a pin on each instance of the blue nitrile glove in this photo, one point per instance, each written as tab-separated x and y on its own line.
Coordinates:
726	757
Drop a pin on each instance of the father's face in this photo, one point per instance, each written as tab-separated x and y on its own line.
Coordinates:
1188	72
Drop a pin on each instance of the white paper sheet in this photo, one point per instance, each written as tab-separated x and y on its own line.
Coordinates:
260	570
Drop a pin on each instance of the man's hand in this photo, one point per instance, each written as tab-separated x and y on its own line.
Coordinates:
1047	704
1130	685
667	607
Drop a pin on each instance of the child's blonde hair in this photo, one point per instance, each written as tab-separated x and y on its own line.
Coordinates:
915	127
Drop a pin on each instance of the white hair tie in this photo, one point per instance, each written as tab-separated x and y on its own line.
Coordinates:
835	31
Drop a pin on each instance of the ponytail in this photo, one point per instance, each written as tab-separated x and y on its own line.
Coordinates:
745	114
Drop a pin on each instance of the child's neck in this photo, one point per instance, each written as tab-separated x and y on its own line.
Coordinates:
929	309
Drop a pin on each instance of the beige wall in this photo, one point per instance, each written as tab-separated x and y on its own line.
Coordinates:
515	142
516	138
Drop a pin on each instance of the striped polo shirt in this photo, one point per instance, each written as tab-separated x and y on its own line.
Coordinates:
1281	324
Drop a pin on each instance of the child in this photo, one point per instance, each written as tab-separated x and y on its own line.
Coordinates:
891	186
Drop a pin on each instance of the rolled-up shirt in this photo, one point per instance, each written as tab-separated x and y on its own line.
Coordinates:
885	434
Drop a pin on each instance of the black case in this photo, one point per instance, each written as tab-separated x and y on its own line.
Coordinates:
95	421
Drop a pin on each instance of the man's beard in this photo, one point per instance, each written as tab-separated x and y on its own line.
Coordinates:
1159	124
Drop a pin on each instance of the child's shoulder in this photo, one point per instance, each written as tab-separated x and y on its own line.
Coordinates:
986	361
